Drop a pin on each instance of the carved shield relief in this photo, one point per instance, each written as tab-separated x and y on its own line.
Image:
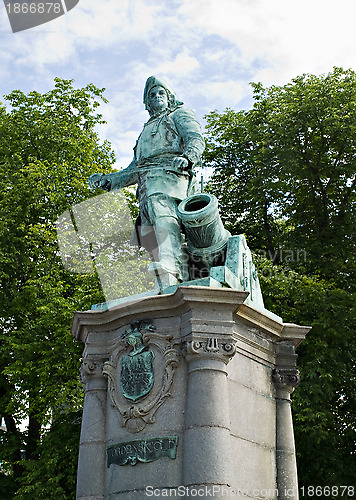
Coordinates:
140	373
137	375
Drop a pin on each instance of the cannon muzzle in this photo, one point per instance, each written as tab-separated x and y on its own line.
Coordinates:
206	236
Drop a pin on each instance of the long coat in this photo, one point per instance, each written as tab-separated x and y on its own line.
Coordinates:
174	133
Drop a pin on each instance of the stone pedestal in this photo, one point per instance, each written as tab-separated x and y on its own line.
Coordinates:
187	394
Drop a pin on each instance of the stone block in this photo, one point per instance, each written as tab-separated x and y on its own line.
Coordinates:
252	415
161	473
94	418
207	451
254	467
218	387
91	471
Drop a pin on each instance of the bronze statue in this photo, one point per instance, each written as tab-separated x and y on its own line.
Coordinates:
165	156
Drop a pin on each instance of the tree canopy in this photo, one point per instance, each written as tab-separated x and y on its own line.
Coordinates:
284	172
48	149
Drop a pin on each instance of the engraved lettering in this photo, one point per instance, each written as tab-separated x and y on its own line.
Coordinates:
145	450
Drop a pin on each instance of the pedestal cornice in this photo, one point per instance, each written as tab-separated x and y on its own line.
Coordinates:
167	305
184	300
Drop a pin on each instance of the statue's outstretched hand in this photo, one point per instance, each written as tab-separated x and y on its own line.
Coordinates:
181	163
94	180
99	181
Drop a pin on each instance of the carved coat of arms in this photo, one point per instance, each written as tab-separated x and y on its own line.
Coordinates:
137	372
140	373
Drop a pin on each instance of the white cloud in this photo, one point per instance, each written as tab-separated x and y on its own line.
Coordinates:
292	36
228	91
90	26
109	21
287	36
182	65
209	50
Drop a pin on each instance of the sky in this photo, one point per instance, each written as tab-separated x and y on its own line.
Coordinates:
208	50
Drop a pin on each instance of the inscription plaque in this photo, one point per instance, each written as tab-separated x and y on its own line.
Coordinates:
142	450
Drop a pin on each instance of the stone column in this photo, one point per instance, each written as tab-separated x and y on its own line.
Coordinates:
285	378
92	450
207	451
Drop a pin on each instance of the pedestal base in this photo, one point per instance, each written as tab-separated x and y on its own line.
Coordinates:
187	394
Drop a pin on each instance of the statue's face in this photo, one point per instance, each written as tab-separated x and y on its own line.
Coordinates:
157	99
132	340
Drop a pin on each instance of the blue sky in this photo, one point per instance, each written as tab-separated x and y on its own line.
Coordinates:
208	50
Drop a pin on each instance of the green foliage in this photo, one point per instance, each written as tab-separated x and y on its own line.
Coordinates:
324	404
284	171
57	462
48	149
284	174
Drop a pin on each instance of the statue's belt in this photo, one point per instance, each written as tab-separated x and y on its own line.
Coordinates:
145	168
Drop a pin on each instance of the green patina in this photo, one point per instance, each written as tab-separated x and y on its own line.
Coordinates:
144	450
167	151
179	226
137	371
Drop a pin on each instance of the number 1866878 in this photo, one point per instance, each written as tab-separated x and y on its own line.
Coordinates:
327	491
34	8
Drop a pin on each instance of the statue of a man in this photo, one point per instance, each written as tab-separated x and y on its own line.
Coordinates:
167	151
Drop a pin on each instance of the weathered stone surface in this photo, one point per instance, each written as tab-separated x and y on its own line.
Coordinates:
249	411
225	397
255	468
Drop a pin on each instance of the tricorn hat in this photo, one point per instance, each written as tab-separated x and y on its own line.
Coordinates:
154	81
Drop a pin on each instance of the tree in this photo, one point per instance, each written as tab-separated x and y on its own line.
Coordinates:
284	174
286	171
324	404
49	148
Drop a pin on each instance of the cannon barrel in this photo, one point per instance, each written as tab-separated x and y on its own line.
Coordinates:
206	236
